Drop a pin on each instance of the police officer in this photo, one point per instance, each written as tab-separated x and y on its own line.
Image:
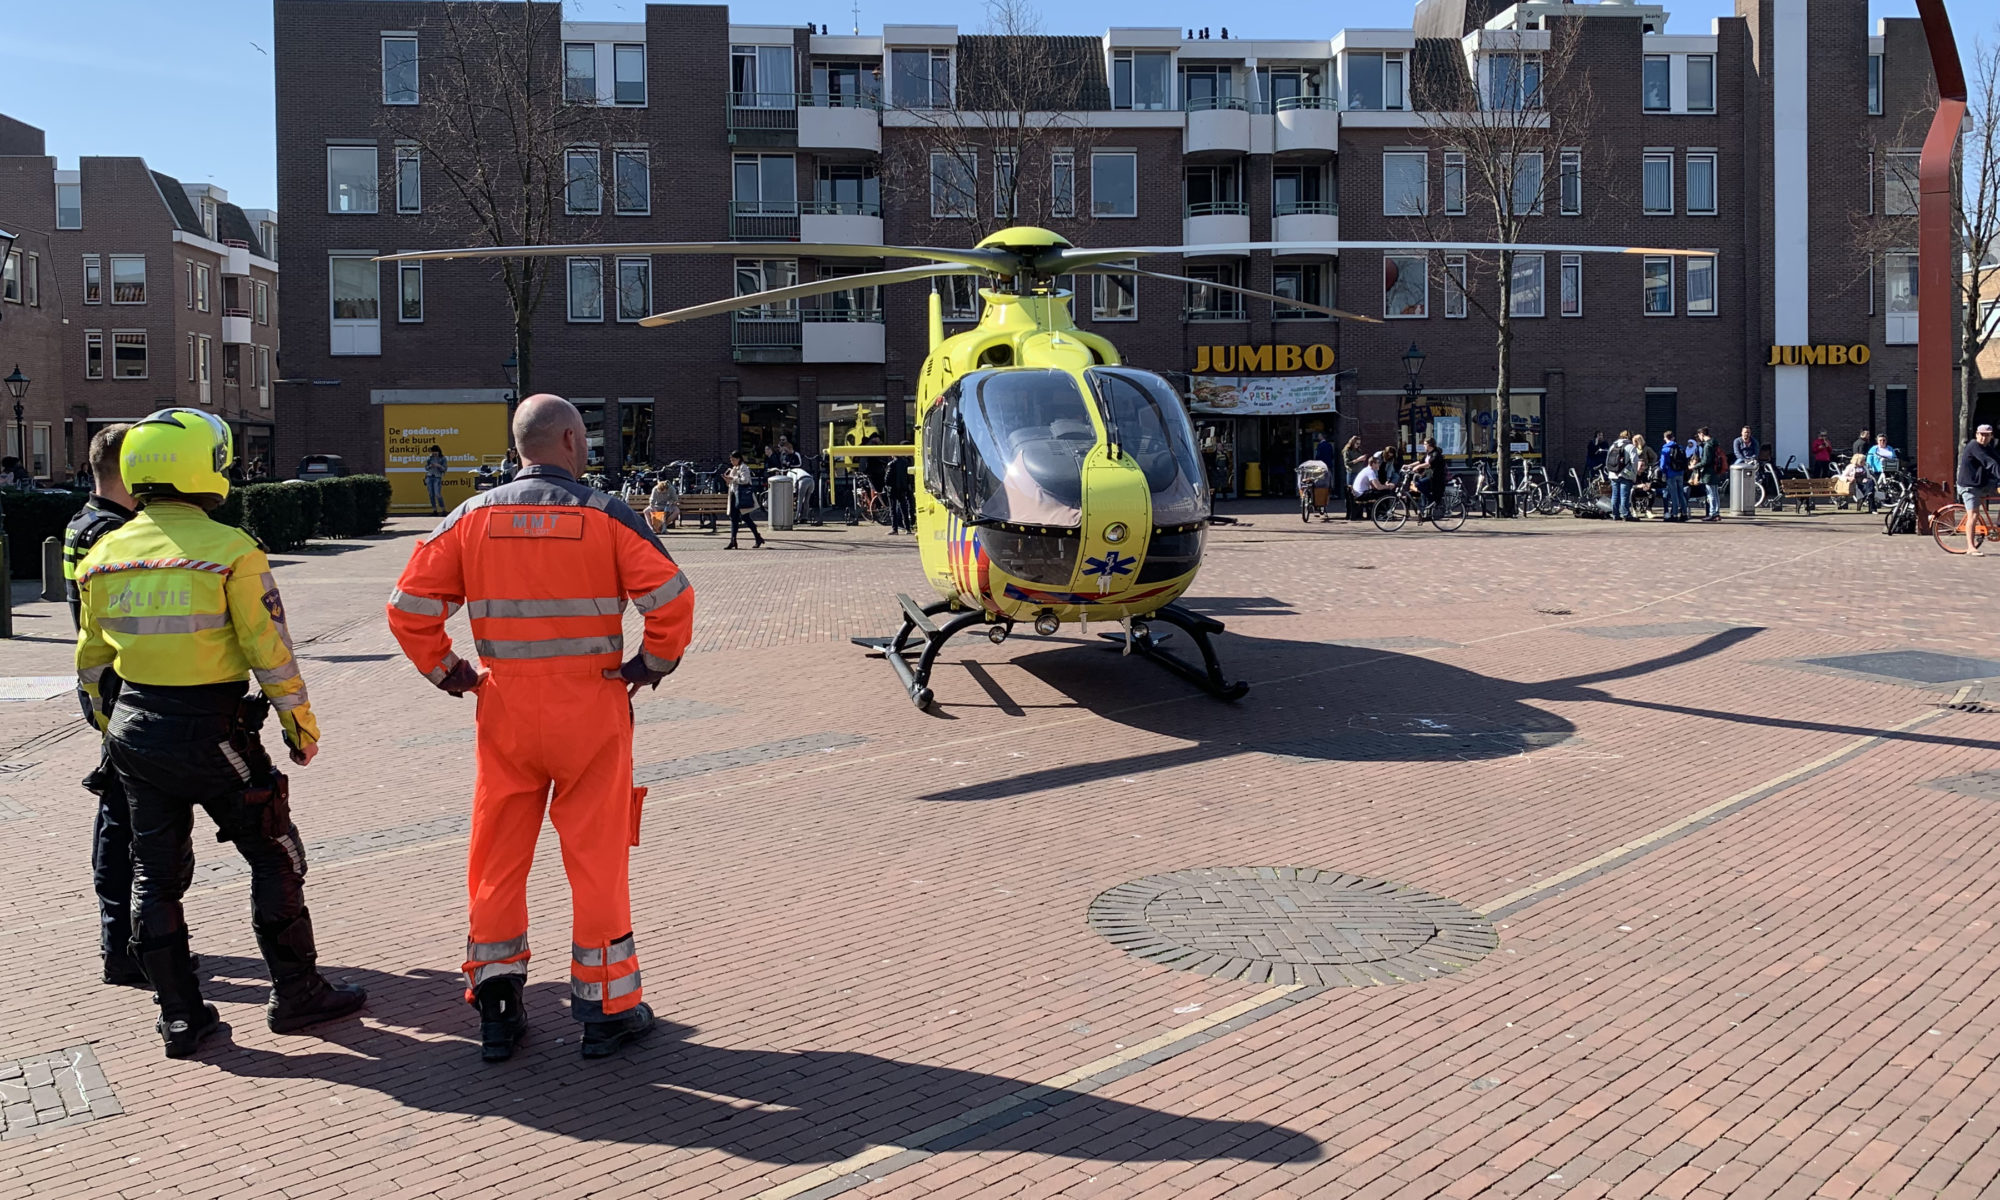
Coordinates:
182	609
109	507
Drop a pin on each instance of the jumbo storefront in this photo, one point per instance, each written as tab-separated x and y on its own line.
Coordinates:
1259	409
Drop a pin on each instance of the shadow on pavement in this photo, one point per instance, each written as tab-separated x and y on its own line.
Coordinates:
776	1106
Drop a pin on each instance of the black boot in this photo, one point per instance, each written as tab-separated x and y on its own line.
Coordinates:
601	1039
185	1019
502	1020
122	970
300	995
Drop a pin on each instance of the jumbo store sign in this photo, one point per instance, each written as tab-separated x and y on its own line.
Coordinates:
1250	360
1818	356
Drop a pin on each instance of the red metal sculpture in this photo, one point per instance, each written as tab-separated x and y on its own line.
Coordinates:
1937	265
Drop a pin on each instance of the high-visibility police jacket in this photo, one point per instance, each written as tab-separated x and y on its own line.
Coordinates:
544	567
175	599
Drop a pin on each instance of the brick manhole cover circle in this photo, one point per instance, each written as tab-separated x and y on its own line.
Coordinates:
1291	925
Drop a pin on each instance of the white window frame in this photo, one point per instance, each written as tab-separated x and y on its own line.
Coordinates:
570	177
1714	84
410	158
1714	164
1060	161
263	376
1899	327
204	368
144	348
1714	287
1516	306
77	190
618	287
374	177
363	333
1454	184
1569	166
416	61
31	280
963	166
263	303
1424	265
93	339
1570	282
1644	60
1456	303
1913	189
642	156
1424	188
1394	99
1101	290
10	291
208	216
93	262
616	49
1097	156
1878	67
1006	164
572	95
571	295
404	271
1523	99
1646	265
203	278
1131	60
1541	183
112	272
192	358
187	272
1646	161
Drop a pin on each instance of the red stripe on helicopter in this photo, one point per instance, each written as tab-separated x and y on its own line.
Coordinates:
1039	597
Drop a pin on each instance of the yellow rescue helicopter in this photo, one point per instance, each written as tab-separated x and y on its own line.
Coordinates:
1054	483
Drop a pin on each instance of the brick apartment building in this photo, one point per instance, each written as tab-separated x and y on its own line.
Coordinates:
1769	139
128	291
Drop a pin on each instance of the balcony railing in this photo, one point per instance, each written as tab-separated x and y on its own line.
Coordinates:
771	112
838	100
841	316
1307	208
1214	103
1219	208
1229	309
764	220
750	331
1288	103
842	208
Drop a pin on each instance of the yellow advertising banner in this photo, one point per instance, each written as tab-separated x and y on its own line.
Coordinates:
469	434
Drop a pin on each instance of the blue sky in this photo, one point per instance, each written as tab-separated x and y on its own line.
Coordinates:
193	97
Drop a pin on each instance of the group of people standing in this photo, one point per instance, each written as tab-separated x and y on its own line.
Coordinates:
1671	473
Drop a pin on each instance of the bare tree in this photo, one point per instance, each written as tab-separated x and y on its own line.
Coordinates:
1511	128
495	125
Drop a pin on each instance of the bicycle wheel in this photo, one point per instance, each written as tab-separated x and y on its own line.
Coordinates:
1551	500
1305	508
1948	528
1448	514
878	509
1890	491
1390	514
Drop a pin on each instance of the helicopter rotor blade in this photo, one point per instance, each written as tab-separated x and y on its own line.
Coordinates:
1066	260
1287	301
998	262
801	291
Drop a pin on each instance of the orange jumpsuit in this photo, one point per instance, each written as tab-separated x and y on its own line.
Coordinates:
545	567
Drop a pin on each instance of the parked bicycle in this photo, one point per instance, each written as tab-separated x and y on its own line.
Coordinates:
1950	524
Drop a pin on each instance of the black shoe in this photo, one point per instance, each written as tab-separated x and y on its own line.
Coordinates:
122	970
183	1034
601	1039
300	995
502	1020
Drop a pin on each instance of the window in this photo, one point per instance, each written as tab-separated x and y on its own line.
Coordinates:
1513	82
1006	177
1658	180
410	292
1527	292
194	355
1114	297
263	305
1375	82
350	179
849	189
1406	285
31	281
1207	190
628	75
399	70
1141	80
1701	83
954	183
267	233
1298	281
263	377
1701	286
93	354
958	295
1570	166
586	289
128	354
847	85
1572	285
579	73
1205	88
1899	184
1454	285
1299	190
1900	298
762	275
765	185
128	279
355	286
40	438
1874	86
1525	185
1406	184
1114	184
201	280
10	278
1062	183
1701	183
1206	302
1454	183
635	288
1282	88
207	217
583	191
920	78
409	179
93	280
204	351
69	206
1658	285
188	268
631	182
1655	85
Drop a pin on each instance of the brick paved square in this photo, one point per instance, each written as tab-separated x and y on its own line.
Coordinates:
1731	851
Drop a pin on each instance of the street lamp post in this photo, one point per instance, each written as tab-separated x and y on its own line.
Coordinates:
1413	366
17	387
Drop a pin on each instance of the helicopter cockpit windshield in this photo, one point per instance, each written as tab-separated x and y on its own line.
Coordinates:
1016	454
1148	424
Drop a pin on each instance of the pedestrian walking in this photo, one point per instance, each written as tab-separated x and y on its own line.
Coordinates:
902	495
181	610
741	480
545	566
1978	480
434	469
1673	477
1621	469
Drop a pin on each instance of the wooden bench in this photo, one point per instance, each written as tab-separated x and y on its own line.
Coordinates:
1802	494
708	506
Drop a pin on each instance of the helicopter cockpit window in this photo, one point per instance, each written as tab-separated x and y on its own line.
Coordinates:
1148	424
1026	434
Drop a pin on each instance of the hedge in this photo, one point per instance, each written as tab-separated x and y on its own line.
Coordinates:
284	516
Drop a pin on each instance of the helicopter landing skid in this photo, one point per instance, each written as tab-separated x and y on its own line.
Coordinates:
917	620
1208	676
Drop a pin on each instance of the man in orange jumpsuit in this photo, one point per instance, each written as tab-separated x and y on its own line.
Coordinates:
544	567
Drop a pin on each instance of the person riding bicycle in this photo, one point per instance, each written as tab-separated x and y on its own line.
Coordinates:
1428	473
1978	482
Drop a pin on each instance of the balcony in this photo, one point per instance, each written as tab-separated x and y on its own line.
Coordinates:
1307	123
1217	124
764	119
840	123
236	324
844	335
766	221
1306	221
237	260
755	337
1224	307
854	222
1215	222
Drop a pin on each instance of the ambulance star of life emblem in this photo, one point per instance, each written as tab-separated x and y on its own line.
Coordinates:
1113	563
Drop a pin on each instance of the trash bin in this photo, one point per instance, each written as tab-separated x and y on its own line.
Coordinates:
782	507
1253	479
52	576
1742	489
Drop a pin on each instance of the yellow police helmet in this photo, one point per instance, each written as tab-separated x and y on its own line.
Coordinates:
180	453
